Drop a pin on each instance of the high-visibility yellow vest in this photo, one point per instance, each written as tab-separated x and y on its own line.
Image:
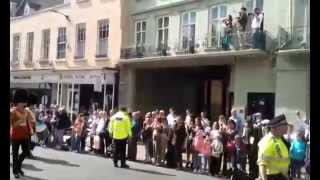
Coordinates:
273	154
120	126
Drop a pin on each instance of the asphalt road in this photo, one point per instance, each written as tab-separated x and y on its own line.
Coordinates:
60	165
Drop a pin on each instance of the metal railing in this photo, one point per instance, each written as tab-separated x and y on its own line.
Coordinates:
235	40
297	37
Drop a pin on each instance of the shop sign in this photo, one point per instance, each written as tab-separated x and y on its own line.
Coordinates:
26	79
97	86
52	78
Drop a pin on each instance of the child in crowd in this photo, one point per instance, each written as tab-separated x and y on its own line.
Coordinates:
216	154
241	154
197	144
205	153
297	154
215	130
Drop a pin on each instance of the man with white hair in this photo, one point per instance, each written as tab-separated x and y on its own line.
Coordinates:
235	116
171	118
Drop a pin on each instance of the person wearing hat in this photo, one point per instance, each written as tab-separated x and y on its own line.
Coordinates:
273	155
120	131
20	130
252	135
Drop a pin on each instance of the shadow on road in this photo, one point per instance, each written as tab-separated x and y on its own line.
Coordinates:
31	167
55	161
151	172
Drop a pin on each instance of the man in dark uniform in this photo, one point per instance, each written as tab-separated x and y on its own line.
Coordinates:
20	130
252	135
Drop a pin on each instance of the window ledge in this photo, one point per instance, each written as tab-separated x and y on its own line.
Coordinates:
61	60
80	59
105	58
44	61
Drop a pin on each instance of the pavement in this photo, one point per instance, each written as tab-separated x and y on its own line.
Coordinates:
52	164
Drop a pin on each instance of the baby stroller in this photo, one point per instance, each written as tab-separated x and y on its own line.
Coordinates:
66	145
42	133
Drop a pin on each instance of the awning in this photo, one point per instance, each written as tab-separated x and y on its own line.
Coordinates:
70	76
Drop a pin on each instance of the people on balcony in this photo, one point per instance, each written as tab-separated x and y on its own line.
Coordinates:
257	29
241	30
227	29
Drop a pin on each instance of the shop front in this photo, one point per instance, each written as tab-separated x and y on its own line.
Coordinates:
76	90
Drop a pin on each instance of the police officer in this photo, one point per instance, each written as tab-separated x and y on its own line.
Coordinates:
273	155
20	130
120	131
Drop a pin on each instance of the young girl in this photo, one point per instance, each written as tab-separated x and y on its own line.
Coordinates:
216	155
197	144
297	154
205	153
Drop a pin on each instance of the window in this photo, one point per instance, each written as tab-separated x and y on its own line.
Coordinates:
103	35
61	44
26	10
217	14
188	29
45	44
162	33
16	48
141	33
81	40
29	55
251	4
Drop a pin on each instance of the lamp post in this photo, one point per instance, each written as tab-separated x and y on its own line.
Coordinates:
67	17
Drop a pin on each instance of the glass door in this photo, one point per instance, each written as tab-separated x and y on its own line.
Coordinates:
76	97
218	13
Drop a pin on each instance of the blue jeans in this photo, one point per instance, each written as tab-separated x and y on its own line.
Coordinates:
196	161
75	143
204	162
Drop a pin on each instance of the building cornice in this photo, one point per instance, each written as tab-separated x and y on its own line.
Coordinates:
13	19
171	5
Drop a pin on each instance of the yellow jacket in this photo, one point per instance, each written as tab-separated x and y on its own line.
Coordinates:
273	154
120	126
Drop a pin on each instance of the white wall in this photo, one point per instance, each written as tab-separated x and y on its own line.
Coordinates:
293	85
252	75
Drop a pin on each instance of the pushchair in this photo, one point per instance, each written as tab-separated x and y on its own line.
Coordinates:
42	134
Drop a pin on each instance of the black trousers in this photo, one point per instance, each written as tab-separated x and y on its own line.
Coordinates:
277	177
215	165
16	158
132	148
120	151
253	167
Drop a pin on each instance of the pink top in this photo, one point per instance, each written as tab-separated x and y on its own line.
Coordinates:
198	142
206	149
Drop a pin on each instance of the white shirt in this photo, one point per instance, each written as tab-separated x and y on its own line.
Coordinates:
188	119
205	122
100	126
171	118
256	22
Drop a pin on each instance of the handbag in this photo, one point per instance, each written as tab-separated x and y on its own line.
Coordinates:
96	142
231	146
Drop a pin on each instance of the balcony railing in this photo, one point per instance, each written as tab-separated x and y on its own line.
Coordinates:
294	38
218	42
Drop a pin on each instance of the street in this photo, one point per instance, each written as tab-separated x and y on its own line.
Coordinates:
61	165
